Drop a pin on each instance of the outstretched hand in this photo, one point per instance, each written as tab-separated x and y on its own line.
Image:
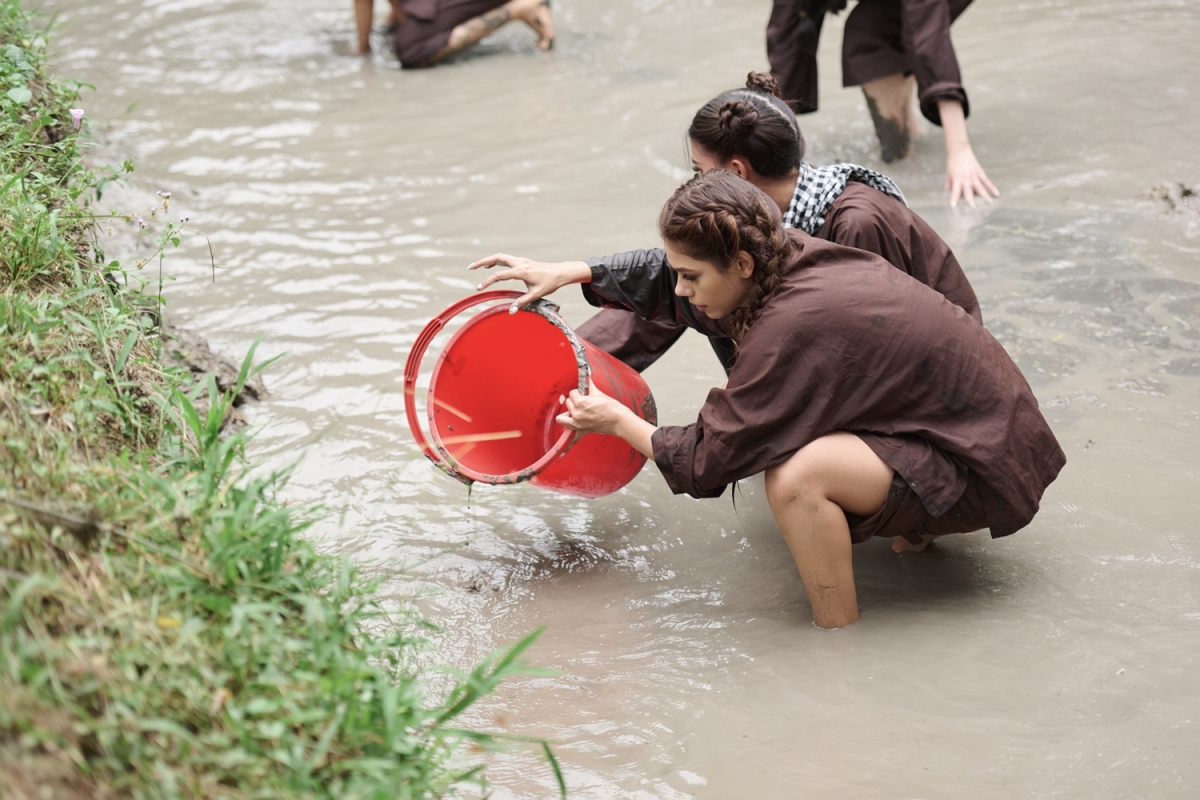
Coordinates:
965	178
540	278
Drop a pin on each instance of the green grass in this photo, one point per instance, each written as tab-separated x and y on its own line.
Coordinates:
166	630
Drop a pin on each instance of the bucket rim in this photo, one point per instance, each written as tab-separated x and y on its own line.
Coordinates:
548	311
412	368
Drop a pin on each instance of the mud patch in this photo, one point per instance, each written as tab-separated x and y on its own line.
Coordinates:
1178	199
1175	196
895	139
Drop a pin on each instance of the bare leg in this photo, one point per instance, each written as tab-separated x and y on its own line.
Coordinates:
364	13
539	19
890	101
534	13
809	494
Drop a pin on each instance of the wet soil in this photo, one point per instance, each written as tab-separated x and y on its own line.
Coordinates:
345	198
187	349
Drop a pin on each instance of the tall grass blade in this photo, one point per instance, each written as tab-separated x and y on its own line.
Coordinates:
126	349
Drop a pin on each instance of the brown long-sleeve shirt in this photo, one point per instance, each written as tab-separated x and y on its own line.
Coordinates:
851	344
869	220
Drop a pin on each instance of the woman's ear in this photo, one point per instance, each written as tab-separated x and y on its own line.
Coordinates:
739	167
743	264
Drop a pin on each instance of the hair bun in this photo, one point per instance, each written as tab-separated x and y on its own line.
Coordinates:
763	82
737	118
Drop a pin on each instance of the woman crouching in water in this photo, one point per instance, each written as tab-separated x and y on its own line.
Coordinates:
875	406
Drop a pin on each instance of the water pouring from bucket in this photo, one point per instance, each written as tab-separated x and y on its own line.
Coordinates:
496	389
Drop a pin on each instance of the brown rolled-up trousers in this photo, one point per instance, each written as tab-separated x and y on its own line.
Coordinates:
427	25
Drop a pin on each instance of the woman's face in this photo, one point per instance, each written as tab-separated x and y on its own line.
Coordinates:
702	160
714	293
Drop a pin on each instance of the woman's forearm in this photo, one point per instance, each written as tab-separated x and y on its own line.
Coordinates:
954	124
575	272
636	432
596	412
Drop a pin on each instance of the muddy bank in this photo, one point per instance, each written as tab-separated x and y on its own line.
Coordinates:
188	350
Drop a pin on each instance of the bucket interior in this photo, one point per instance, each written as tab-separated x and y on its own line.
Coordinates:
493	395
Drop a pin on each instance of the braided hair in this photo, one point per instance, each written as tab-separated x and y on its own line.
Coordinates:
714	216
753	123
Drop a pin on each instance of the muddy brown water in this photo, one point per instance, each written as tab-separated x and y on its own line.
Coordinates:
344	199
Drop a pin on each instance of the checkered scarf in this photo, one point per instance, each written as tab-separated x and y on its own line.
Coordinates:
818	187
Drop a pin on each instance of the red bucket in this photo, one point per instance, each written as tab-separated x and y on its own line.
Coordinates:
494	395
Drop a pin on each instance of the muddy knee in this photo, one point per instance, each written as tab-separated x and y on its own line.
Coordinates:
796	479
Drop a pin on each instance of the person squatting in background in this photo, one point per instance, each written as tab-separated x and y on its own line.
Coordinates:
889	47
427	31
875	406
752	133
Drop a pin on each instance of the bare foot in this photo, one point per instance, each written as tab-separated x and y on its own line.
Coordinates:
902	545
536	14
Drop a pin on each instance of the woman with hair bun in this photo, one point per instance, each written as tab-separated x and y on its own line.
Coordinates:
752	133
874	405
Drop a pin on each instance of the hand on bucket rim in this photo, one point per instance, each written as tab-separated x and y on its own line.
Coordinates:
596	412
541	278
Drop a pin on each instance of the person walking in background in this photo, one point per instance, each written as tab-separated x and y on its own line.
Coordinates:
890	48
428	31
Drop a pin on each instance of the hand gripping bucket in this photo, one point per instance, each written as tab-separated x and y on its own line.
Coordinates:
494	394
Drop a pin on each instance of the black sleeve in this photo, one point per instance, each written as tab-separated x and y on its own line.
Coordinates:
643	282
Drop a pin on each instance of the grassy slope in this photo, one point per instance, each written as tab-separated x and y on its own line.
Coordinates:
164	629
